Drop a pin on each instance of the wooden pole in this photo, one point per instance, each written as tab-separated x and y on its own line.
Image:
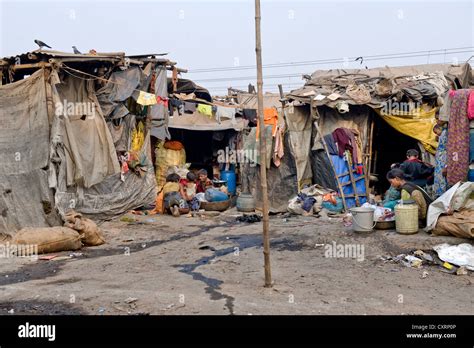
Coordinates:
263	147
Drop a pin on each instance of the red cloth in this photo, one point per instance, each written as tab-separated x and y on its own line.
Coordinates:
343	141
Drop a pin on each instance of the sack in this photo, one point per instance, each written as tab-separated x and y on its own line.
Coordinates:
90	233
49	239
173	145
166	158
214	195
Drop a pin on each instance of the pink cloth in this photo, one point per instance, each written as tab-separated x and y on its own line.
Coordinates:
470	106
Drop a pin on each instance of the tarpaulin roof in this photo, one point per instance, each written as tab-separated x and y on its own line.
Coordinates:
200	122
326	82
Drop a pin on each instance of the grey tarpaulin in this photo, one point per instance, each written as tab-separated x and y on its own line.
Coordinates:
281	181
90	154
25	199
108	197
159	113
300	128
120	87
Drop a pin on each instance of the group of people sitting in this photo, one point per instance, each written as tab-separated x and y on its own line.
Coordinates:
179	194
408	181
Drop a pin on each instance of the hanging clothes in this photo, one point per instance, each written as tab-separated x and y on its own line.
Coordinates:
279	149
250	115
145	98
224	112
162	100
189	108
343	141
331	144
270	118
440	185
458	137
205	109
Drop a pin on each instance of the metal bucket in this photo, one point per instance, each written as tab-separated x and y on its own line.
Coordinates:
362	219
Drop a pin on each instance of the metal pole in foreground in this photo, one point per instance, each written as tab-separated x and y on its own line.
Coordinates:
262	140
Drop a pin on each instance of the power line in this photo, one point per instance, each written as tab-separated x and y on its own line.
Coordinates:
343	59
278	76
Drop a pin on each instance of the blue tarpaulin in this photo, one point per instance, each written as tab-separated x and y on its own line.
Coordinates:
342	167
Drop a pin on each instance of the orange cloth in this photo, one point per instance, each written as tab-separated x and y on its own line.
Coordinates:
270	118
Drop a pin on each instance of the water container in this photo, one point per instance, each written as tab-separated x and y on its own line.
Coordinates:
362	219
246	203
471	175
229	176
406	218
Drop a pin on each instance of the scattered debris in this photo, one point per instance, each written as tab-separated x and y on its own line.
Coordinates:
101	310
461	271
62	258
131	300
11	311
459	255
412	261
47	257
424	274
128	240
250	218
447	265
76	254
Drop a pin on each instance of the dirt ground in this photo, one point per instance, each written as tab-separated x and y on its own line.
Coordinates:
214	265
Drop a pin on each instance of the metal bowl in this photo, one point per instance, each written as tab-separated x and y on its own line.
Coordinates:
385	225
216	206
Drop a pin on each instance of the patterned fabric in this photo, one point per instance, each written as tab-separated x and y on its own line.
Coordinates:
440	185
458	138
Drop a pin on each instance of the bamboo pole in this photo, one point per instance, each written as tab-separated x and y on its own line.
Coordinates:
263	143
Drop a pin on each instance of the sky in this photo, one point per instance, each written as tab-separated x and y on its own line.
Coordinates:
202	35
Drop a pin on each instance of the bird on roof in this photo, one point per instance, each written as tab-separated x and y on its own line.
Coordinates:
76	51
41	44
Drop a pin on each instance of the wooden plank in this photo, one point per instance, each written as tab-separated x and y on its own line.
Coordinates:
349	164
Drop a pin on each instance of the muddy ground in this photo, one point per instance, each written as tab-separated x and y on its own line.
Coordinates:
214	265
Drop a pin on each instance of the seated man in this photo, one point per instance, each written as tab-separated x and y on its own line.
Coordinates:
410	191
417	171
203	182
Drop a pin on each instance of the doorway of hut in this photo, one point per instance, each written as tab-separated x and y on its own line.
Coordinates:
202	147
388	146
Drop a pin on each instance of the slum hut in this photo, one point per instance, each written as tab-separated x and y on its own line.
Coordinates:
389	110
207	132
75	134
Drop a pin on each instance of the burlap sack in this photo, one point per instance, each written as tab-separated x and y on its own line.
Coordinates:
90	233
49	239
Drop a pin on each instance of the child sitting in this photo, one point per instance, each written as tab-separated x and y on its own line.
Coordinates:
203	182
174	203
188	190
